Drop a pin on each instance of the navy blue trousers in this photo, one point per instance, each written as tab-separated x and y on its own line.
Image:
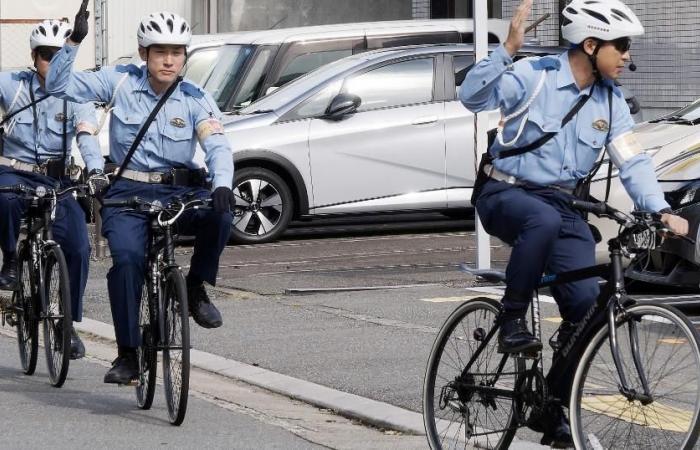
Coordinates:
547	236
69	230
127	236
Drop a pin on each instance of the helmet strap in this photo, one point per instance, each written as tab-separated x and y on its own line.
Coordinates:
593	58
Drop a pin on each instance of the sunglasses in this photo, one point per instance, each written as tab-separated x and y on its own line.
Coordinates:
46	53
622	44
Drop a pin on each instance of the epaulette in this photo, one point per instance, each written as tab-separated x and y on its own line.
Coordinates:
546	63
191	89
129	68
22	75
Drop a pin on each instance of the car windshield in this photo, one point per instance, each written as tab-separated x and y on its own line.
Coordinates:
301	85
690	113
218	69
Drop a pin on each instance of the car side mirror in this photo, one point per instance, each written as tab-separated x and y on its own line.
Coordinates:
341	106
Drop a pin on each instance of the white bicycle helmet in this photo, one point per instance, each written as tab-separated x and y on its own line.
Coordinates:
606	20
163	28
49	33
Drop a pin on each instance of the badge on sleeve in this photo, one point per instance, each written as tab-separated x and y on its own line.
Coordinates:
601	125
60	117
209	127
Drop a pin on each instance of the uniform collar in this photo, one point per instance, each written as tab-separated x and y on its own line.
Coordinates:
565	77
32	79
142	85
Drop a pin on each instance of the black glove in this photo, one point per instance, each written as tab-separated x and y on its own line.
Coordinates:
80	26
223	199
97	182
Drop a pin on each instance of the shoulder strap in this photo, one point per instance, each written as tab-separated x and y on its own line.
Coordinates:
547	136
610	121
65	137
144	128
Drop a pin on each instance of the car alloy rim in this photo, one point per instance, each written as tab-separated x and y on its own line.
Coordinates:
258	207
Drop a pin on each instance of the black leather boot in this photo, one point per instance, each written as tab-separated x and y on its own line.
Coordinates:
203	311
514	337
8	273
125	368
554	425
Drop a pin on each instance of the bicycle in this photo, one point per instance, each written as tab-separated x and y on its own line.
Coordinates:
163	311
638	391
43	290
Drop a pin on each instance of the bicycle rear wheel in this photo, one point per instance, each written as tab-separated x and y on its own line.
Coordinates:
56	315
459	410
25	314
176	348
147	353
601	417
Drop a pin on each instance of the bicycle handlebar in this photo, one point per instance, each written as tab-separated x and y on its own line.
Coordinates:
41	191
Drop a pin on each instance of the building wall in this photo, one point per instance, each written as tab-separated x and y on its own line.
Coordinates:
242	15
667	56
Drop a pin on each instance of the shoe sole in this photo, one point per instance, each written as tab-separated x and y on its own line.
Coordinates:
527	349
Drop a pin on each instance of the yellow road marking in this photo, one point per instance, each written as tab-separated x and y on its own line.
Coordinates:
456	299
655	415
553	319
673	341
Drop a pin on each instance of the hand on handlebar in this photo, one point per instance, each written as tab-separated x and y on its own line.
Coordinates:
676	224
97	182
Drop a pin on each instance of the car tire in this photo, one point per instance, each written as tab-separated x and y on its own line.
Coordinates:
264	206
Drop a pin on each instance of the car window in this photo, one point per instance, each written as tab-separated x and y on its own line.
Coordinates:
461	65
403	83
307	62
316	105
200	65
247	93
228	63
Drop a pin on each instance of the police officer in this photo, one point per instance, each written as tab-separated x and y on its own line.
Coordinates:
526	201
189	115
32	138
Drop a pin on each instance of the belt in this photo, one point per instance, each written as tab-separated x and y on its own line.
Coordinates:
497	175
175	177
23	166
145	177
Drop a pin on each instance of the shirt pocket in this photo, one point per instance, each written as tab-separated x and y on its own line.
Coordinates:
54	137
590	143
178	142
125	124
23	129
544	122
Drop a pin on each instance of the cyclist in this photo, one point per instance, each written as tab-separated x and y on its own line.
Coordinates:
162	167
526	200
33	154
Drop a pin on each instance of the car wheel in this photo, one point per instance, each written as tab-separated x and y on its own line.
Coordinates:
264	206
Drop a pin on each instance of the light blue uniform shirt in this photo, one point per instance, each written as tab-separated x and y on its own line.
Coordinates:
498	83
171	139
27	141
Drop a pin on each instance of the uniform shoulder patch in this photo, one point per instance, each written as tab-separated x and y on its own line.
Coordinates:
546	63
129	68
208	127
191	89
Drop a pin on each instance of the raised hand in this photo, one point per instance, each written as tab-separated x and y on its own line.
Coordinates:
80	26
516	34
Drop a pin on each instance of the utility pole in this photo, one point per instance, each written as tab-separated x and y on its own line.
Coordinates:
481	49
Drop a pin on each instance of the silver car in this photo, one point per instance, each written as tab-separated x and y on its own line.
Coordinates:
381	131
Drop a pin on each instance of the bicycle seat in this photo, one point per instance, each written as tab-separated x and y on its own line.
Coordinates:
490	275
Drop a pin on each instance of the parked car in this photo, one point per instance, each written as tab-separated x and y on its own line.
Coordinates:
375	132
673	142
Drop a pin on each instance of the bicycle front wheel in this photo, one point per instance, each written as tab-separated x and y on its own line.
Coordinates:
470	406
147	352
176	348
56	315
669	359
25	314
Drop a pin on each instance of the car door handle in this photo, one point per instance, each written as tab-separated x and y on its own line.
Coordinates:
425	120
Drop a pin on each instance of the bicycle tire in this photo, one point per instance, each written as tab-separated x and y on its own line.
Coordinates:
668	420
25	314
56	315
147	352
176	348
439	430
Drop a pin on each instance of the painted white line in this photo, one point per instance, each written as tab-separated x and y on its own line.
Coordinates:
456	299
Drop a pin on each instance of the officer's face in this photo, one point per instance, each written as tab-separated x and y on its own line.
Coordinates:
42	56
165	62
612	57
